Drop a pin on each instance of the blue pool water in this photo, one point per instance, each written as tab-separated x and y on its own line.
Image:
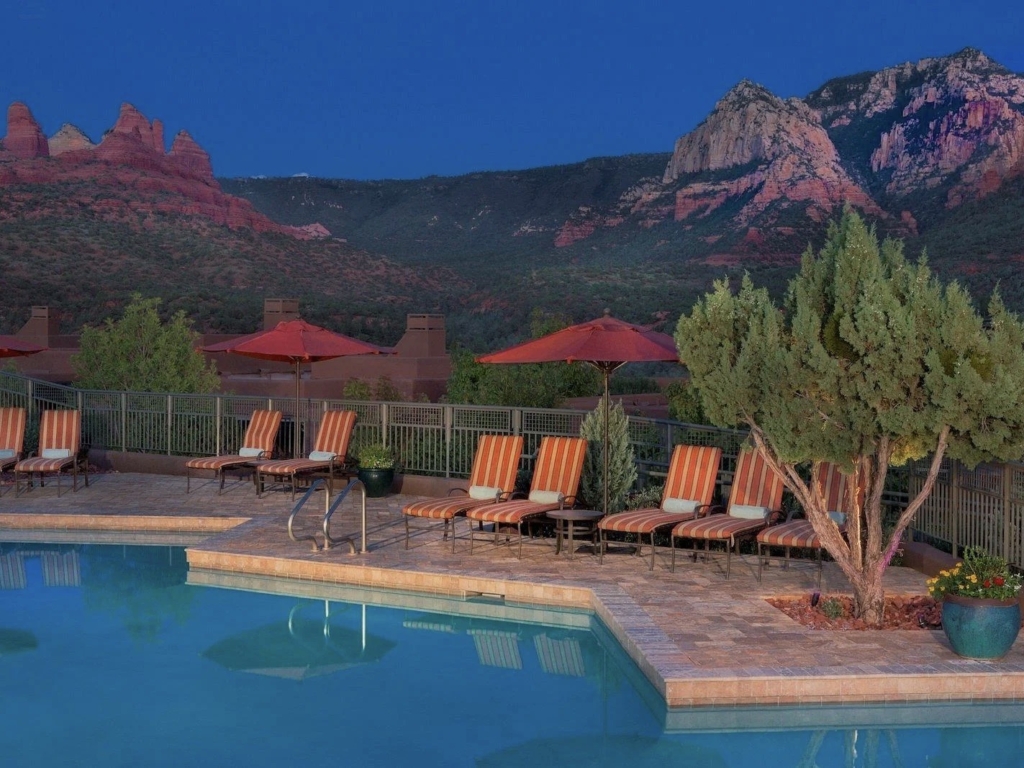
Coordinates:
108	657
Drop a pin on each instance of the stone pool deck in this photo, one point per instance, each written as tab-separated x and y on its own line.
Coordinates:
700	639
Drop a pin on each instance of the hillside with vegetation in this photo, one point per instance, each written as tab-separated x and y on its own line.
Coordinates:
931	152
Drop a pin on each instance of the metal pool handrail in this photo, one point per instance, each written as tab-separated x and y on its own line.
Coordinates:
329	509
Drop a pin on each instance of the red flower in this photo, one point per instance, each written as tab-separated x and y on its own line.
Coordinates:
986	584
999	580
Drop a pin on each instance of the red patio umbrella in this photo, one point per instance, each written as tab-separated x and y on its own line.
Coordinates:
605	343
12	346
296	342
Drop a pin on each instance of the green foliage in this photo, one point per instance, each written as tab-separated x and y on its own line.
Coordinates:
383	390
375	456
632	385
648	497
872	361
684	403
832	607
621	461
141	353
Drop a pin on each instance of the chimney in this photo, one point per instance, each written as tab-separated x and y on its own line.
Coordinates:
278	310
424	337
41	327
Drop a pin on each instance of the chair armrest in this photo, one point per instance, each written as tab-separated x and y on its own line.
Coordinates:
460	490
777	516
709	509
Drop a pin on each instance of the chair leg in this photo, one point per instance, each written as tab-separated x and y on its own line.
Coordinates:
760	562
453	532
672	540
640	537
188	480
221	489
601	546
406	531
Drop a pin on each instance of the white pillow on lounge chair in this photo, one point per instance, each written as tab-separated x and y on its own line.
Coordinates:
322	456
55	453
250	453
748	512
839	518
679	506
7	453
483	492
546	497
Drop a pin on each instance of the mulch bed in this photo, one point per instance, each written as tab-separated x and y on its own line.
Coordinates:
900	612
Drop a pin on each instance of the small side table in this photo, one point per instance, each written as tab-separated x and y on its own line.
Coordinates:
588	517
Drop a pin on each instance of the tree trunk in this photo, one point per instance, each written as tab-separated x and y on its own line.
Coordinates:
868	599
864	553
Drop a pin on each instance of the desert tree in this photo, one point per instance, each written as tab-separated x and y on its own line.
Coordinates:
622	471
141	353
870	362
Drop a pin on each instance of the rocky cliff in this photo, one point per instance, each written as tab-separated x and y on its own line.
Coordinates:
893	144
129	172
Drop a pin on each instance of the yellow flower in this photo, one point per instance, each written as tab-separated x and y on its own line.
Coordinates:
973	578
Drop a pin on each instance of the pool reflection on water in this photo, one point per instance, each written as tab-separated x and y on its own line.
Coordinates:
118	655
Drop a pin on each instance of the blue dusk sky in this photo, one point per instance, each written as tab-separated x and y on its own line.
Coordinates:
410	88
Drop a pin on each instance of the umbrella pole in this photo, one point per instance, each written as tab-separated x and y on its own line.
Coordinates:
606	407
295	444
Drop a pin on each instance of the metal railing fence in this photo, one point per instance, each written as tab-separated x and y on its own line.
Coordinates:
983	507
428	438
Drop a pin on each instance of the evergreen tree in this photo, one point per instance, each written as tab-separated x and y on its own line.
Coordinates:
621	460
871	362
140	353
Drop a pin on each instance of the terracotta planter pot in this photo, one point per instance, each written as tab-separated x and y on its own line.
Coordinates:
978	628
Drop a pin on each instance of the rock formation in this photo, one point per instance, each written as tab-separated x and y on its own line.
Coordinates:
130	159
191	159
25	140
951	127
70	138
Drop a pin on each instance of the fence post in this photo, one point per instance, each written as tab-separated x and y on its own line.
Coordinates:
170	417
384	426
449	419
217	416
124	422
1007	502
517	421
78	401
954	510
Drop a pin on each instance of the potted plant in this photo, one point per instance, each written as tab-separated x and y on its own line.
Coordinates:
376	469
980	605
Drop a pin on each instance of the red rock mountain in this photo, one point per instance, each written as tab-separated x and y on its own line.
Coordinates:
131	160
886	143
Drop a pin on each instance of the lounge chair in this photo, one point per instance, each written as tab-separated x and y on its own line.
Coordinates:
492	479
756	495
12	436
258	443
798	533
60	443
327	457
688	490
556	477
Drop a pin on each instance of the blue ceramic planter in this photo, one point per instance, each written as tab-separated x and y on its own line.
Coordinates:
978	628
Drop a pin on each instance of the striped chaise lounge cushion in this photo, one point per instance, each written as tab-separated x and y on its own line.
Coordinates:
333	437
60	431
261	434
12	435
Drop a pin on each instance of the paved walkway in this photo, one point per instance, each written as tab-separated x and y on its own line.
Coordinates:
701	639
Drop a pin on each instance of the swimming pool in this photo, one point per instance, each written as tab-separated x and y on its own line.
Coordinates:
110	656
